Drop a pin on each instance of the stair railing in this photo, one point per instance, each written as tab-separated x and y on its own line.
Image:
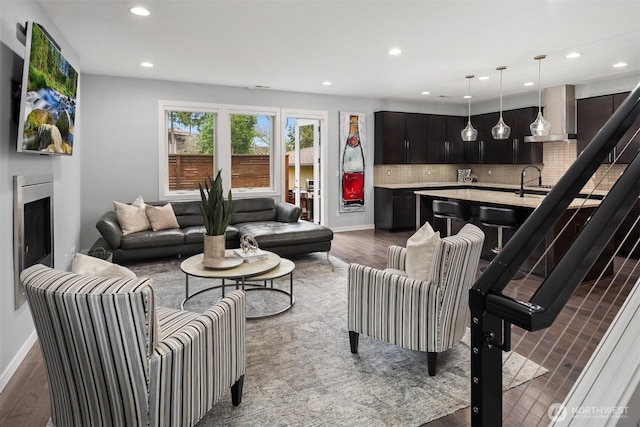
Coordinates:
493	313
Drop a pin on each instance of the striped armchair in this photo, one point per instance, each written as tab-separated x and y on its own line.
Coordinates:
114	359
419	315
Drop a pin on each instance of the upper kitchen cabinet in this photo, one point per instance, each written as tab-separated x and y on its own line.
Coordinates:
400	138
518	151
592	114
484	149
626	156
490	149
454	145
509	151
436	138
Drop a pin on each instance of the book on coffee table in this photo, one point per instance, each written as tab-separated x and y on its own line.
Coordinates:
251	256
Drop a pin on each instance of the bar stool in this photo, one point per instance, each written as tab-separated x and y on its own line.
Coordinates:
449	210
499	218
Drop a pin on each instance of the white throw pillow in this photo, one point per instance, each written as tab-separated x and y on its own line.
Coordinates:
420	250
132	218
162	217
92	266
139	202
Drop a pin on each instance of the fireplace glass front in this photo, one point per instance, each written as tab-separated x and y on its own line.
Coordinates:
32	226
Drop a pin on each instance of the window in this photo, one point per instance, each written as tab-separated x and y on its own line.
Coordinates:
197	139
251	142
190	139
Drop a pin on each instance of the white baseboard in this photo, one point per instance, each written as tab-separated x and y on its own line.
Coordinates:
353	228
17	360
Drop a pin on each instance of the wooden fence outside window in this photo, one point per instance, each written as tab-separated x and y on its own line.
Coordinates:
247	170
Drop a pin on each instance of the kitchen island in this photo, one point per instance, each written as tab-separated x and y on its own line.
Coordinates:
556	242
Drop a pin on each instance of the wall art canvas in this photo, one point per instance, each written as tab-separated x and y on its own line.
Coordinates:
352	143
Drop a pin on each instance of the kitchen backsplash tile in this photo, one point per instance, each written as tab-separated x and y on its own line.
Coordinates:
557	158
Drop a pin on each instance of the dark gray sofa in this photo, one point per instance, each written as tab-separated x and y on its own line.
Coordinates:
274	224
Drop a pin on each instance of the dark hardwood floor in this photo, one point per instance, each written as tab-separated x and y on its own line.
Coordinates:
563	348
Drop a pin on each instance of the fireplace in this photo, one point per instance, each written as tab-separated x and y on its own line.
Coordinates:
32	226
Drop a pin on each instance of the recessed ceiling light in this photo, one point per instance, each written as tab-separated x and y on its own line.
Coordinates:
426	92
467	96
146	64
327	83
620	64
529	84
483	78
573	55
140	11
394	51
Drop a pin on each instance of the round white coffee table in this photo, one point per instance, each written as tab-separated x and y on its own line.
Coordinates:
263	270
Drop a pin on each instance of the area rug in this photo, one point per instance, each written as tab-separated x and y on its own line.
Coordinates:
300	371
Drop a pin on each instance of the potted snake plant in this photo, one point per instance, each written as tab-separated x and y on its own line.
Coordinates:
216	215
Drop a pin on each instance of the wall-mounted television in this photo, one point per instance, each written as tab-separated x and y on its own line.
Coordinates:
48	96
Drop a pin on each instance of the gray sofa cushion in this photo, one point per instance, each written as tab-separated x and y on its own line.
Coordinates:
273	233
145	239
195	234
246	210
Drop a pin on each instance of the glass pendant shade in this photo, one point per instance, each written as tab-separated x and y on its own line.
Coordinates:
501	130
469	133
541	126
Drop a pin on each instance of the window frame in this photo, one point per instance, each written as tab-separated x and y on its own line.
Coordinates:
221	152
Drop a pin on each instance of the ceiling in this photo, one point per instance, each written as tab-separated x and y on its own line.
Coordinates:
297	45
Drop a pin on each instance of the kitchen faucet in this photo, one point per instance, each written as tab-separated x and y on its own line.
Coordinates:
522	178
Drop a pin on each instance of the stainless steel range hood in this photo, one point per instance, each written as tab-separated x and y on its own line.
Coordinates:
560	110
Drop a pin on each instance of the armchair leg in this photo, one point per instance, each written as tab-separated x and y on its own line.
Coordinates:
236	391
353	341
432	356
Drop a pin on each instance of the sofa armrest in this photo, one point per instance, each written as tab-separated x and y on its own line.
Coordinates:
212	347
109	228
396	257
286	212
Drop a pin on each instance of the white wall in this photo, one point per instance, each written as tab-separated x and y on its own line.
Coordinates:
16	327
120	118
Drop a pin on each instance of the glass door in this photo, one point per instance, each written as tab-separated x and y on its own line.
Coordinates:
303	176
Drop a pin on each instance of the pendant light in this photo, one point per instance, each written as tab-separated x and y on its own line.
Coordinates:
541	126
501	130
469	134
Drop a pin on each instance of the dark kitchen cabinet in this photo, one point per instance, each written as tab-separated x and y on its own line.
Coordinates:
472	148
592	114
510	151
436	138
394	209
626	155
490	149
454	145
484	149
400	138
444	142
517	151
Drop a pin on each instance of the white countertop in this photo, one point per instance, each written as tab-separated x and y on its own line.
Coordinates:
475	185
506	198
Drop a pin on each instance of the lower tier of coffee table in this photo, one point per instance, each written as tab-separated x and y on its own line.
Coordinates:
261	282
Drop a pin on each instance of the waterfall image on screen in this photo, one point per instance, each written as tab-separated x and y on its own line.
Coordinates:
49	93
